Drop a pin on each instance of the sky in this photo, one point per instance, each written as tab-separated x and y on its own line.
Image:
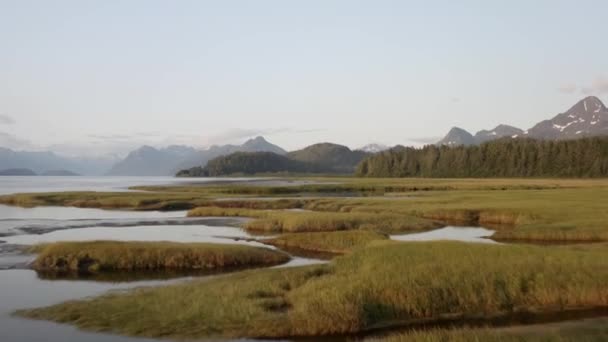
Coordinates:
95	77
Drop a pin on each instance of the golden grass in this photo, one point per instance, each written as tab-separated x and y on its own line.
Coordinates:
332	221
339	242
99	256
386	283
587	330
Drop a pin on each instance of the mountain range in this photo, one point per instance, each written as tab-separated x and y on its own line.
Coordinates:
587	118
150	161
42	162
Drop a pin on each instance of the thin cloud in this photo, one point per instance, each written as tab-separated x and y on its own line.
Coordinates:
569	88
110	136
6	120
8	140
425	140
239	134
598	86
149	134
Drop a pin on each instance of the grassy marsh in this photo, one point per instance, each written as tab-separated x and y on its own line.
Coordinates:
384	284
101	256
546	210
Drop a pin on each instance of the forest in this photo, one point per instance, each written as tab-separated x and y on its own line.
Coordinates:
585	157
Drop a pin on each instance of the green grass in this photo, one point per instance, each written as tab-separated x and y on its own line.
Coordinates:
330	242
100	256
387	283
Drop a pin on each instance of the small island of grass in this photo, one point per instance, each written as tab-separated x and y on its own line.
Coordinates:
104	256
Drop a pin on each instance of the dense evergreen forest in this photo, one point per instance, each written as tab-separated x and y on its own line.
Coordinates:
585	157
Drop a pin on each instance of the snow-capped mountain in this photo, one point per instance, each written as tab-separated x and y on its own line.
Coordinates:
373	148
500	131
457	136
589	117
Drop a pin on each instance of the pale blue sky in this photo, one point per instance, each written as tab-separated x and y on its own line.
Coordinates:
109	75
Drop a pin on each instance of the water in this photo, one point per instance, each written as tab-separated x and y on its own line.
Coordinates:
15	220
173	233
22	289
17	184
465	234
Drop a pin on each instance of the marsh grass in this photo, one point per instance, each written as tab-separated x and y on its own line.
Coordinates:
107	200
384	284
319	221
102	256
332	221
544	210
339	242
589	330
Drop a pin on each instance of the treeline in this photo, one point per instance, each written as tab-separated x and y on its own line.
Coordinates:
250	163
586	157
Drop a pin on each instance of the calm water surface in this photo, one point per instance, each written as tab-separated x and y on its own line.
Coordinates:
18	184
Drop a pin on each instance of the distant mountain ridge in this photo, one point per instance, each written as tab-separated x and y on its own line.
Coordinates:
40	162
17	172
150	161
587	118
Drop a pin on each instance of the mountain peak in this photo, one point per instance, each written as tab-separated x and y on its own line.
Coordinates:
457	136
500	131
260	144
374	148
258	139
590	104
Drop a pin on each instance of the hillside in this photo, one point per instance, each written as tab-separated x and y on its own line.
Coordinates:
250	163
585	157
328	156
319	158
